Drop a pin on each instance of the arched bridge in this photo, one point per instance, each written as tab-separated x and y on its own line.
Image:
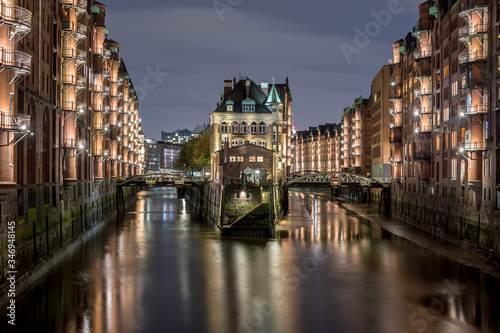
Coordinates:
335	179
160	179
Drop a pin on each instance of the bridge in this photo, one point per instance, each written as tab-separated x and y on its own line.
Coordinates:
160	179
335	179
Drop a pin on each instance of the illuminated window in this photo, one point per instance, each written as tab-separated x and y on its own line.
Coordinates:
453	168
252	159
229	107
223	128
260	159
254	128
240	159
262	128
232	158
454	88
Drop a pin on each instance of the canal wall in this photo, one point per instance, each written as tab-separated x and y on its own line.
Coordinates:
51	222
252	211
460	224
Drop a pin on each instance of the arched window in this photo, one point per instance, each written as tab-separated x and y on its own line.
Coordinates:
243	128
235	127
234	143
223	127
262	128
254	128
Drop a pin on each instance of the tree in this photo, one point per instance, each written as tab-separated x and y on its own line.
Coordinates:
194	154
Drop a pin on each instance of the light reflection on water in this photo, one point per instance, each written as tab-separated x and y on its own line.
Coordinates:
162	270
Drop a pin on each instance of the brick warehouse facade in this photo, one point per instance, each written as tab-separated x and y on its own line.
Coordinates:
436	136
69	115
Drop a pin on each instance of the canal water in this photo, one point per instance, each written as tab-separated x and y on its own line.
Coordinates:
160	269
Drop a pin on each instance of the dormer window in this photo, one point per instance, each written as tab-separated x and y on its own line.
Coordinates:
248	108
248	105
229	105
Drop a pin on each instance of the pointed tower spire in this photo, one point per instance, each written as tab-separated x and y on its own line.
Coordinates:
273	97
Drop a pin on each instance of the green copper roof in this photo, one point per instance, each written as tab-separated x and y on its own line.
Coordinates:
360	100
113	49
434	11
402	50
95	10
248	101
107	32
229	102
273	98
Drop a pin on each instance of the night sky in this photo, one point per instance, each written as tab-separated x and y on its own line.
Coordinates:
195	47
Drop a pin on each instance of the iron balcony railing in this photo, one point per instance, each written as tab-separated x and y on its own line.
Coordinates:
14	122
80	5
395	124
15	60
70	106
473	109
466	6
425	53
466	57
72	143
18	17
422	129
78	29
469	31
75	54
472	146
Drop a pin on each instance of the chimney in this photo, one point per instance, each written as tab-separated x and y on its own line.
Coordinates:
264	86
228	85
248	86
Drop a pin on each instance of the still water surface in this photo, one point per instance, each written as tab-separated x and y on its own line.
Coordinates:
160	269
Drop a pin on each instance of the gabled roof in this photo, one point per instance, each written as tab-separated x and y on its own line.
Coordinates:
238	96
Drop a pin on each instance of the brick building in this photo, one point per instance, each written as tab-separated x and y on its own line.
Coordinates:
63	82
253	113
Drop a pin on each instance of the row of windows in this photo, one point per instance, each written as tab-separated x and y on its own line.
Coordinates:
242	128
250	159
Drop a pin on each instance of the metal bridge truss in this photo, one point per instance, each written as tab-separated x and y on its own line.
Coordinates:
159	178
336	179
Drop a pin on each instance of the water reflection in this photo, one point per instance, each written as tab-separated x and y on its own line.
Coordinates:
162	270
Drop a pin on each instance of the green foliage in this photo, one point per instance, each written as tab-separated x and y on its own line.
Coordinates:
195	154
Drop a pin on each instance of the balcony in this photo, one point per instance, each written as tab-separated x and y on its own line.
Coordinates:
106	90
465	58
474	84
100	152
14	122
422	92
80	6
70	106
395	111
471	31
418	33
422	129
394	124
106	54
79	56
16	17
394	160
394	96
394	82
468	6
120	81
72	143
119	95
472	146
473	109
422	155
77	29
426	53
119	109
16	61
391	61
100	126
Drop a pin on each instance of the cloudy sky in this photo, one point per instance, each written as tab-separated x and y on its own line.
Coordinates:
191	46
